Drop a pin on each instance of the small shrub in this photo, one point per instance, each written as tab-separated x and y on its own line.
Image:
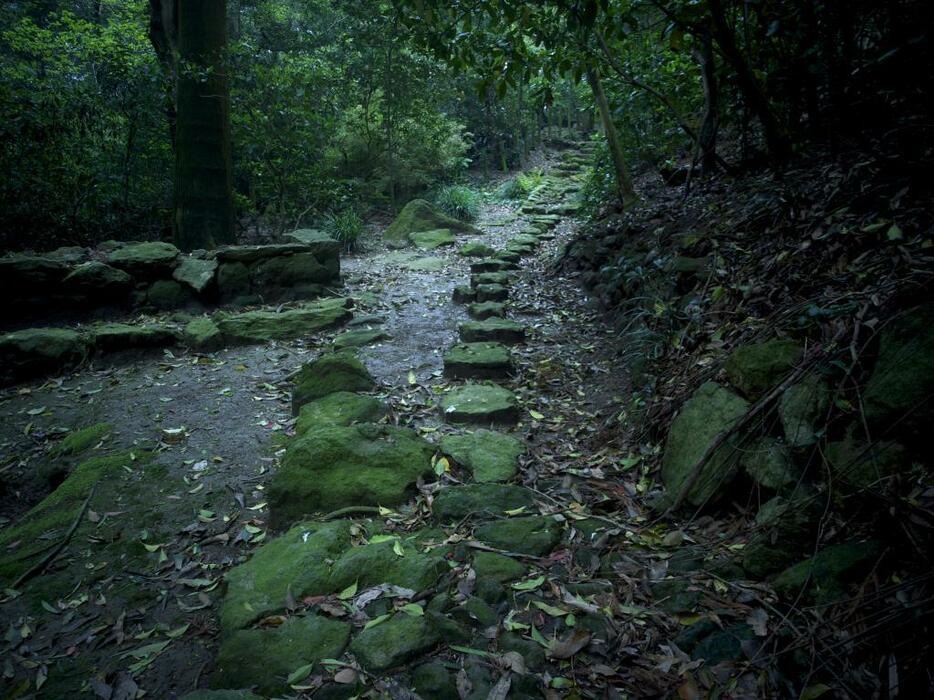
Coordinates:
344	226
459	201
520	186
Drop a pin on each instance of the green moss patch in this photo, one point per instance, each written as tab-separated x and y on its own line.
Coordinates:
330	373
480	404
535	535
339	408
478	361
489	455
480	501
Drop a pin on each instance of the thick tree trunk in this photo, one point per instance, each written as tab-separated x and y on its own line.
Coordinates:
204	216
163	35
710	123
626	191
776	140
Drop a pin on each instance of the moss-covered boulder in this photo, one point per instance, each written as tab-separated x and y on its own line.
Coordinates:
433	680
289	271
114	337
489	455
770	464
488	309
491	265
784	532
429	240
497	567
57	511
98	281
330	373
481	404
492	330
900	389
417	216
167	294
264	658
535	535
463	294
203	335
34	351
479	501
490	292
233	280
25	275
857	464
478	361
394	642
503	278
263	326
475	250
296	564
824	577
802	410
377	563
198	275
340	408
82	440
316	241
146	260
754	369
332	467
359	337
710	411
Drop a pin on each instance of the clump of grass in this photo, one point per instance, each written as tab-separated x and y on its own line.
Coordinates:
520	186
459	201
345	226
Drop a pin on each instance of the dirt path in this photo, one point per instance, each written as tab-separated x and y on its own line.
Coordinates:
132	602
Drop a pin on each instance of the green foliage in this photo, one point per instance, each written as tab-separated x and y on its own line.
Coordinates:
345	226
459	201
520	186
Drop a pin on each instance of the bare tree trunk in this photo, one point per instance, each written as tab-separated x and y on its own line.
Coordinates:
204	215
710	123
163	35
626	191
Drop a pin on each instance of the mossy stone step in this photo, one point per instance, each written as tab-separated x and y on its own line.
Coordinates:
476	250
114	337
429	240
510	257
490	292
264	658
523	239
330	373
497	567
394	642
332	467
498	330
488	309
262	326
489	455
203	335
340	408
478	361
535	535
463	294
491	265
480	404
36	350
483	501
502	278
359	338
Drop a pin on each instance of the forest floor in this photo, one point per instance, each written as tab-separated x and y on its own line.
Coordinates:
130	605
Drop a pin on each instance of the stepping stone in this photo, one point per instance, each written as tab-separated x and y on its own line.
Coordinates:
340	408
394	642
490	292
521	250
524	239
503	278
480	500
497	567
429	240
359	338
463	294
535	535
366	320
481	404
113	337
203	335
265	657
478	361
489	455
510	257
330	373
488	309
262	326
332	467
476	250
498	330
491	265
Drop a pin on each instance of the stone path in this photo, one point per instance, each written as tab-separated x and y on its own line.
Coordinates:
427	539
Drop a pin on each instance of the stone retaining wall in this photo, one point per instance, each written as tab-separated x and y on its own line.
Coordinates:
77	282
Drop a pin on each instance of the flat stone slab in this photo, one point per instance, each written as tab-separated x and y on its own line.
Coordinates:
489	455
263	326
488	309
480	404
429	240
482	501
113	337
252	253
478	361
490	292
497	330
197	274
145	259
501	278
359	338
463	294
332	467
340	408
